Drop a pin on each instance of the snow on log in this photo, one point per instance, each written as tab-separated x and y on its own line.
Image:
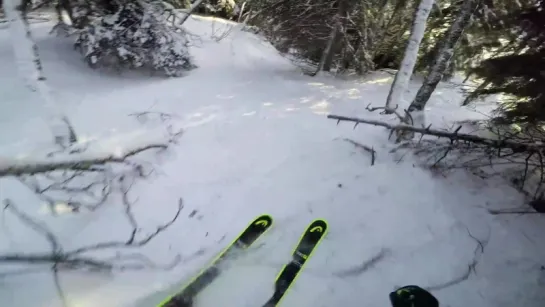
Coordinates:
85	156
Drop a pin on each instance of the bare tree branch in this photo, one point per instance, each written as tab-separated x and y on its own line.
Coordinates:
366	265
501	143
74	259
407	119
512	211
479	250
61	259
131	241
36	226
58	287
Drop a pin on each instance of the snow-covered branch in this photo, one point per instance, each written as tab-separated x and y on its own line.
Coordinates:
87	156
31	166
84	175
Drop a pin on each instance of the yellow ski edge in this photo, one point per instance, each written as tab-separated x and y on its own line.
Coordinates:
218	256
309	256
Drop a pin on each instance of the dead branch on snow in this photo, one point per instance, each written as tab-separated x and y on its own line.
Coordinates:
513	155
365	148
453	136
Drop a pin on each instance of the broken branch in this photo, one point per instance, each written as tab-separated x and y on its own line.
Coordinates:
515	146
407	119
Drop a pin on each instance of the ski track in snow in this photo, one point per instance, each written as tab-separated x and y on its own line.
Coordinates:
257	141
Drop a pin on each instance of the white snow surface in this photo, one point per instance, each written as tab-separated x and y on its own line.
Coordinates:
257	141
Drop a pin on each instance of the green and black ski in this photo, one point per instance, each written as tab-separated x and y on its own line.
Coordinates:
310	239
206	276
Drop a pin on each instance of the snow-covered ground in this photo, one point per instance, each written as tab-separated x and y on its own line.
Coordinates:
257	141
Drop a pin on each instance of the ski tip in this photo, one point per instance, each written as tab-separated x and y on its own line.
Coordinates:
318	225
319	221
264	220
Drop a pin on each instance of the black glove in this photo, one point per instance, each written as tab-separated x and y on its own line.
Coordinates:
413	296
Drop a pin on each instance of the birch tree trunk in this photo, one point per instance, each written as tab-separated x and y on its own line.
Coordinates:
30	68
444	54
403	76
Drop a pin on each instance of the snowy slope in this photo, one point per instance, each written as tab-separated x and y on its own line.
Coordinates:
256	141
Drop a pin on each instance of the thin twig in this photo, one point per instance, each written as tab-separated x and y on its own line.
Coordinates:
58	288
365	148
366	265
131	242
479	250
512	211
35	225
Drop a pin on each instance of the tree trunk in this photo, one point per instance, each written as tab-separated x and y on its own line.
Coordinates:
327	55
334	38
402	78
444	54
30	68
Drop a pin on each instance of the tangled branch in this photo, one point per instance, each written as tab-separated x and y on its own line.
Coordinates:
75	258
85	175
515	155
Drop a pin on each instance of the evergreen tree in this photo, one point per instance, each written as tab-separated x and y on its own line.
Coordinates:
518	73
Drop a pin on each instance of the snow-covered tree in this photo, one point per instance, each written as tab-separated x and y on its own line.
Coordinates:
518	72
135	35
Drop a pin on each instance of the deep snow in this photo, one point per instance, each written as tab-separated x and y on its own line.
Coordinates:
257	140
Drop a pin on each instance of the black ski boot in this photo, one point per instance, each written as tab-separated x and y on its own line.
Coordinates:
412	296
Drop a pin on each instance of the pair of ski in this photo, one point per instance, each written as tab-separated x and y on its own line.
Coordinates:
308	242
